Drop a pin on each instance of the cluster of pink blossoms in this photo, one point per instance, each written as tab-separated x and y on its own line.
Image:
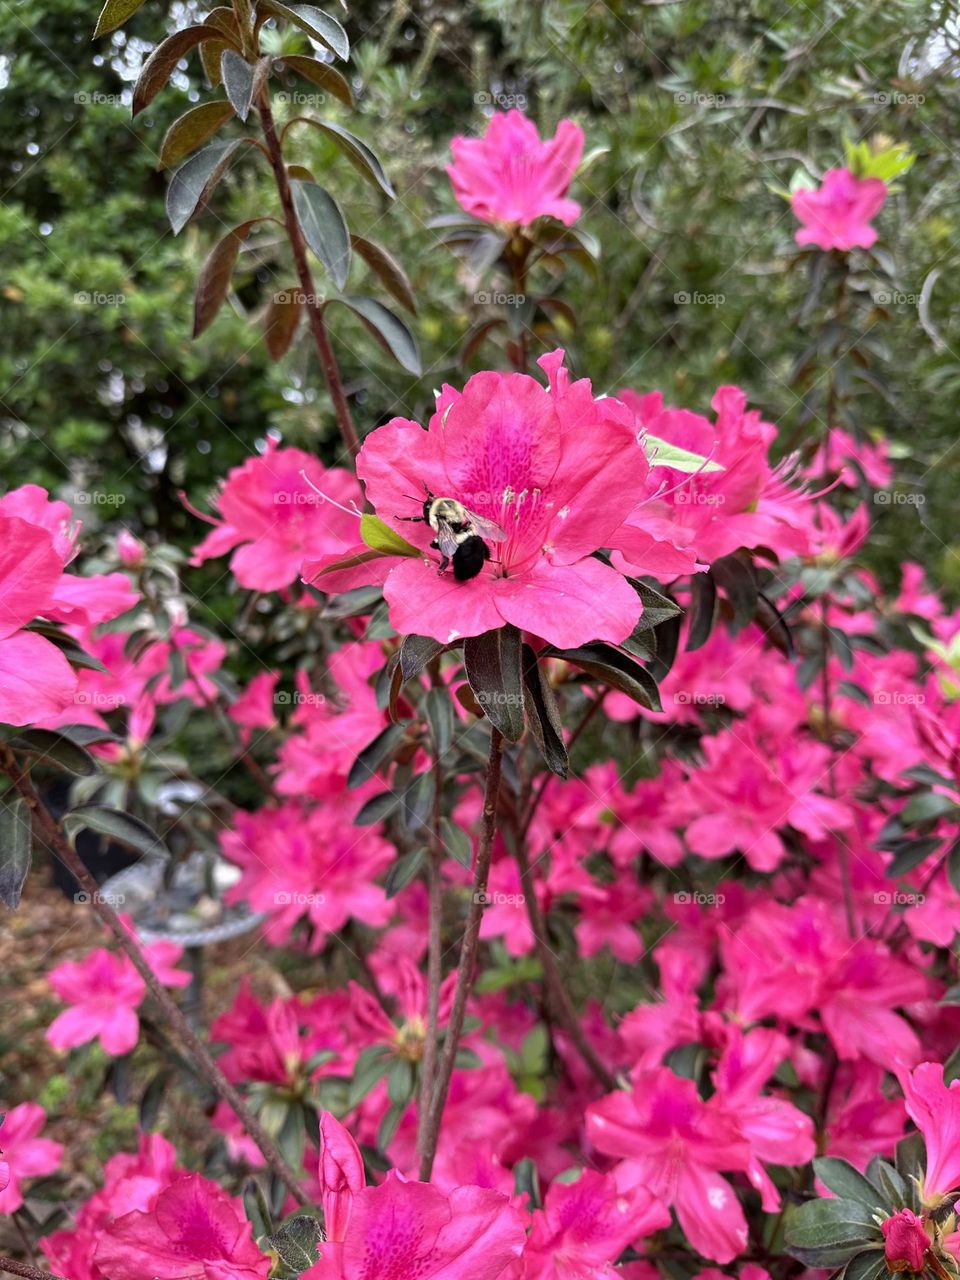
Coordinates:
741	861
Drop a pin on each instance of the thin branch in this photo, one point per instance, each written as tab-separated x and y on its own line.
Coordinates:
14	1268
52	835
468	958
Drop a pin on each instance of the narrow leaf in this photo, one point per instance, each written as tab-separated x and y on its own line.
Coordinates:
115	825
323	228
191	185
114	14
375	755
280	322
15	845
325	77
56	748
356	151
317	24
617	669
213	283
403	871
387	270
492	663
159	67
237	76
193	128
543	715
661	453
389	330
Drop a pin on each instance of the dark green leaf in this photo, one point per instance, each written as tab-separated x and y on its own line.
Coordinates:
387	269
617	669
868	1265
953	865
372	1065
193	128
400	1082
926	806
845	1181
159	67
317	24
323	228
657	608
388	1125
492	663
356	151
377	808
703	593
238	82
15	845
911	1159
456	842
375	755
56	748
213	283
774	625
191	186
257	1209
122	827
885	1176
736	576
526	1182
322	75
404	871
152	1100
543	715
438	710
76	656
910	854
418	801
387	327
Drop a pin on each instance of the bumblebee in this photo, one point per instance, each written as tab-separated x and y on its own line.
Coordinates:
460	535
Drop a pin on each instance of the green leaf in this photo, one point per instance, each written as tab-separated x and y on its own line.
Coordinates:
492	663
257	1209
380	537
375	755
76	656
56	748
404	871
925	807
661	453
356	151
885	1176
122	827
15	846
911	1159
295	1243
152	1100
192	184
388	1125
416	654
237	76
114	14
418	801
388	329
456	842
213	283
736	575
400	1082
378	808
616	669
834	1229
161	64
909	854
317	24
438	710
953	866
543	715
845	1181
194	127
387	270
322	75
324	228
657	608
871	1264
703	601
371	1066
526	1181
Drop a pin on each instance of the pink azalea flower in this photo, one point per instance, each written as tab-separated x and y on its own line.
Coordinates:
585	1225
906	1241
407	1228
104	991
130	550
24	1154
935	1109
275	517
510	176
547	467
837	215
862	1122
194	1231
255	708
130	1183
675	1144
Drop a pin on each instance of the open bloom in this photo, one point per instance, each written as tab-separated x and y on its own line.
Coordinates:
557	470
675	1144
24	1154
837	215
935	1110
509	175
274	518
194	1231
402	1228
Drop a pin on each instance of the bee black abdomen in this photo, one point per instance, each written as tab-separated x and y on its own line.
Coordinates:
469	558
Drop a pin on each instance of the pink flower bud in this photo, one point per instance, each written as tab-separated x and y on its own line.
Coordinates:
341	1175
130	549
906	1241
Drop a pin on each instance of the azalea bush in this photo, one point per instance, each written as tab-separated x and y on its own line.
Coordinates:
587	800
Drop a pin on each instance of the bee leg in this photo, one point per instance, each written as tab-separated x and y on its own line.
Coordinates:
411	519
444	560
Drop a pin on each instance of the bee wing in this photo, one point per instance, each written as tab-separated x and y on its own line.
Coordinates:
487	528
446	539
